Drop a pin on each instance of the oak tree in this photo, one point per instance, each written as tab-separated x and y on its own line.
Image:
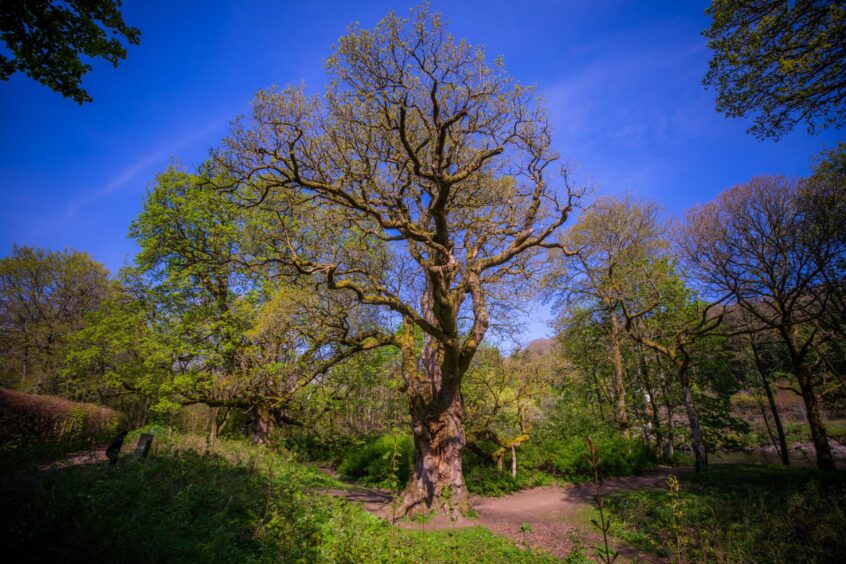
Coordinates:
422	150
44	297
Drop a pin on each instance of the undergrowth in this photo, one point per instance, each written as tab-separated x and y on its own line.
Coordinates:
387	460
238	503
740	513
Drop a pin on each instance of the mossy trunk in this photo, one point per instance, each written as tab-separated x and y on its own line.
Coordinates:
263	425
437	482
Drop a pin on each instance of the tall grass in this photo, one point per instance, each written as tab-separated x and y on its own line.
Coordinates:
739	513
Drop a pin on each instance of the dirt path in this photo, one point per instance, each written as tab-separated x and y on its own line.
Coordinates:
95	456
550	518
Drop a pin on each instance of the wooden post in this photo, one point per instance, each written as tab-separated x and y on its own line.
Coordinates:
143	447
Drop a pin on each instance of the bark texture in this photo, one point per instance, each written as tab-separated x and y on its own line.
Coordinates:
437	482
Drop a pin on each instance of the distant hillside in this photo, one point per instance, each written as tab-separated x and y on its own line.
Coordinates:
541	346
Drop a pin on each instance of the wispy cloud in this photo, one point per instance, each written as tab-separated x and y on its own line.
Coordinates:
625	111
133	170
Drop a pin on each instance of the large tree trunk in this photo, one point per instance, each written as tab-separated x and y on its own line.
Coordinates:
434	391
437	482
263	425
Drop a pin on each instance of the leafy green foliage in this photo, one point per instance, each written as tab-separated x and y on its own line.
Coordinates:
44	297
385	461
618	456
735	514
117	351
239	504
483	478
552	460
47	39
782	61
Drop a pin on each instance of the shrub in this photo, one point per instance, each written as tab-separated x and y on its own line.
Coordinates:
618	456
482	477
331	450
383	462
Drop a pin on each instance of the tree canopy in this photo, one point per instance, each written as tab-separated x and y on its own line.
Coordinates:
48	38
44	297
781	61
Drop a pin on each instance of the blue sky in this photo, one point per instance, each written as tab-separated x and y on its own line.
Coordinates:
621	79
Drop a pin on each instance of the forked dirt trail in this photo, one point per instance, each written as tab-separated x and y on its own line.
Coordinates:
550	518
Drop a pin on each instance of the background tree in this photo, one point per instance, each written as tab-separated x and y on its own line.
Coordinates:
501	398
762	353
188	243
47	39
673	327
755	242
422	148
780	60
238	339
117	357
611	242
44	297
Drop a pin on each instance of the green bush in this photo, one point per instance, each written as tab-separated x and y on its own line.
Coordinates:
483	478
544	463
30	418
681	459
383	462
315	449
618	456
35	429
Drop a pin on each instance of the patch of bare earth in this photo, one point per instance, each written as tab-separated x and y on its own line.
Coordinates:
549	518
77	459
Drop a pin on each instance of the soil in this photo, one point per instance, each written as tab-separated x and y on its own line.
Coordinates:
78	458
551	518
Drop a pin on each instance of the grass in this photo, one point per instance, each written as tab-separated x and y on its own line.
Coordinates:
740	513
237	504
